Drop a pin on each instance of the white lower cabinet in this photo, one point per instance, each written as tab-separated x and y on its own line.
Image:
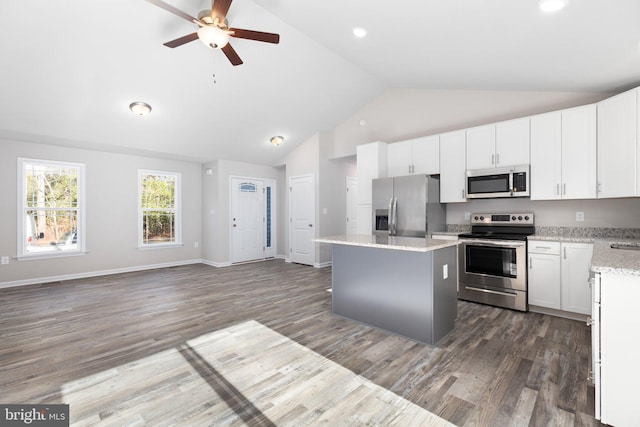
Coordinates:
559	275
615	349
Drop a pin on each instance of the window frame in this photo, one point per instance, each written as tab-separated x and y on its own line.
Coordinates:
177	211
22	208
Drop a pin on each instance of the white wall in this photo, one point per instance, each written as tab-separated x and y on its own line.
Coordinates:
111	214
400	114
607	213
216	205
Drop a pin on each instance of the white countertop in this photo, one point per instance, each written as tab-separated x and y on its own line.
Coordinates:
413	244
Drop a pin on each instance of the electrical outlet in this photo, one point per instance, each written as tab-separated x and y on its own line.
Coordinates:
579	216
196	244
445	271
467	216
4	260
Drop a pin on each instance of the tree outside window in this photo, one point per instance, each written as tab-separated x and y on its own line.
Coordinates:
159	218
51	214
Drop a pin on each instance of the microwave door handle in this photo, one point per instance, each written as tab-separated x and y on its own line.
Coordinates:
511	183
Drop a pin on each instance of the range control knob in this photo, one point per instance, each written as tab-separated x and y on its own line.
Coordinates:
475	217
520	218
526	218
513	218
481	218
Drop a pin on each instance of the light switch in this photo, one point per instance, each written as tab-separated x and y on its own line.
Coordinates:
445	271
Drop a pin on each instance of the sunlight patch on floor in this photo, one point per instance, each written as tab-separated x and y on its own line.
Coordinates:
245	374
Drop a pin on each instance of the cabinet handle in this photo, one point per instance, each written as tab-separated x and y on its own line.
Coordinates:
409	168
565	252
543	247
564	189
497	158
599	187
413	168
530	263
463	193
493	157
557	189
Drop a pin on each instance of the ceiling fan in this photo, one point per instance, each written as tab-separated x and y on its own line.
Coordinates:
214	29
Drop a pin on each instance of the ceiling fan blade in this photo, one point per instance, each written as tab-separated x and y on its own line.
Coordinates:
219	8
182	40
255	35
173	10
232	55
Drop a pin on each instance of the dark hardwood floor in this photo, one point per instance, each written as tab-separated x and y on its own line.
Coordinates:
497	368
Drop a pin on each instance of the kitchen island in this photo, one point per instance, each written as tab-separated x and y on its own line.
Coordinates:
404	285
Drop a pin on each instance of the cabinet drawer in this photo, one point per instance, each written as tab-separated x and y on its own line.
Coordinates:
543	247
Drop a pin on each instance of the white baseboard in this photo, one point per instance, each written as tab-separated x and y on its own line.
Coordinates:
322	264
216	264
47	279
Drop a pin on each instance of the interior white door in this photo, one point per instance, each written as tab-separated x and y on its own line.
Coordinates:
246	220
302	219
352	205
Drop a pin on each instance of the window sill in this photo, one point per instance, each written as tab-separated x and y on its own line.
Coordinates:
45	255
160	246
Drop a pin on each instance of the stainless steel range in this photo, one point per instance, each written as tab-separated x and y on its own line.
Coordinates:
493	260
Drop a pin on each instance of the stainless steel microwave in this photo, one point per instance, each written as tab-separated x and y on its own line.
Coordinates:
512	181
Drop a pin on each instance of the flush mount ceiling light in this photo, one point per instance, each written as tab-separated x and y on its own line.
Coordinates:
359	32
140	108
277	140
551	6
213	37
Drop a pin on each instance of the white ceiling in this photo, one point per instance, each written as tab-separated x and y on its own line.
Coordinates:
71	68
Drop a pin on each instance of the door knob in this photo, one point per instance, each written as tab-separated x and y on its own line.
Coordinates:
310	225
234	225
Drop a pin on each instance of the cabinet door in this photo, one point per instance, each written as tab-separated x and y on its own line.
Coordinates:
579	153
481	147
371	163
576	290
546	156
544	280
617	150
399	158
512	142
452	167
426	155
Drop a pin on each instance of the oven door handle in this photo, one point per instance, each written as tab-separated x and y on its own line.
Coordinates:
501	243
488	291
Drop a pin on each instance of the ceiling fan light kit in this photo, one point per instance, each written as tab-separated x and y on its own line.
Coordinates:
214	29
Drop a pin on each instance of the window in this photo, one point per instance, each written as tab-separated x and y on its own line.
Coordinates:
51	208
159	218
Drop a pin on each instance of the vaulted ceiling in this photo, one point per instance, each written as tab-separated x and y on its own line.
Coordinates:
71	68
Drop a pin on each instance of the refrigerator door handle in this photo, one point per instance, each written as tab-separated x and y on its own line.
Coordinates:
390	217
395	216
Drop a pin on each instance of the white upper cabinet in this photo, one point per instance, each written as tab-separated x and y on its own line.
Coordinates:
579	153
512	142
452	167
498	144
415	156
371	161
481	147
546	156
617	145
563	154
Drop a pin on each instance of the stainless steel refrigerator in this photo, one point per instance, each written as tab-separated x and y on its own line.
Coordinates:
408	206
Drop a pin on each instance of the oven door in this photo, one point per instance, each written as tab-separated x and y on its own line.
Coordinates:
494	263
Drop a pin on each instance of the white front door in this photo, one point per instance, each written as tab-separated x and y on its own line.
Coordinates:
247	234
302	219
352	205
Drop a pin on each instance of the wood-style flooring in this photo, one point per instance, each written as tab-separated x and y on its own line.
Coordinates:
79	341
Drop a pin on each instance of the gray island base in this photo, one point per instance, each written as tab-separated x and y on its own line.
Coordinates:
406	286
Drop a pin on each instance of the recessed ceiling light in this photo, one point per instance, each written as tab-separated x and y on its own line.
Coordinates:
359	32
550	6
277	140
140	108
